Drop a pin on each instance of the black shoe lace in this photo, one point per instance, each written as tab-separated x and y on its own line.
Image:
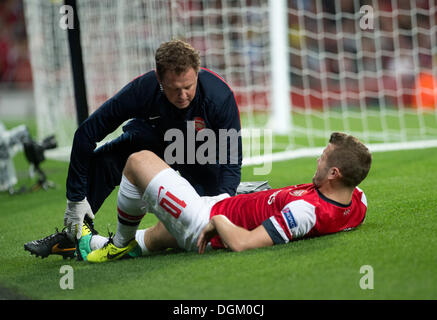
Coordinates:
110	239
50	237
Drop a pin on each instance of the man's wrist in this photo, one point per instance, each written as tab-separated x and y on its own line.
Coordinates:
76	201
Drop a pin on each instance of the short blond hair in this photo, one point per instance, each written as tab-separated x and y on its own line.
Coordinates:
177	56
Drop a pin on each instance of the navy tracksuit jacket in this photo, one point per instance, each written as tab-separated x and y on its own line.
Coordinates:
94	173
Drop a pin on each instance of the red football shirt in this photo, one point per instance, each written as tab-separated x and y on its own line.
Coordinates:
291	213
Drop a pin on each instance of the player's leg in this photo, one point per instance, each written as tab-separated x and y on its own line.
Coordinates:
152	239
130	210
104	175
105	171
139	169
156	238
171	198
150	184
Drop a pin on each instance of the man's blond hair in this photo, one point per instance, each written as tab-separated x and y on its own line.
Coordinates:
176	56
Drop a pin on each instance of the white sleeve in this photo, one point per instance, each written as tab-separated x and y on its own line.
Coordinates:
300	217
363	196
364	199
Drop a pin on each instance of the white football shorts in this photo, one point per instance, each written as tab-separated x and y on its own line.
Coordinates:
177	204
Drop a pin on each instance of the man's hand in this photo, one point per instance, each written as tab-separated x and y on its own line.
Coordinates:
232	236
74	215
208	232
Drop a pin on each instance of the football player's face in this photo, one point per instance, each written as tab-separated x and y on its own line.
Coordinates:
180	89
322	167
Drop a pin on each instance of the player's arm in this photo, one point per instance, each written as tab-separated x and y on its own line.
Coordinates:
233	236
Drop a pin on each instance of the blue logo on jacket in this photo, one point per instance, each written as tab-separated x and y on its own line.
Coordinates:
289	218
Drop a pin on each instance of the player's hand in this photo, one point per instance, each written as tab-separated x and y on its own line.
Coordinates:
207	233
74	216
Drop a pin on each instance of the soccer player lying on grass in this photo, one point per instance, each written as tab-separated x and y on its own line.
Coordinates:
330	204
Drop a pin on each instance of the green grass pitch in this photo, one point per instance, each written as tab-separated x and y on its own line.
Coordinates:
398	240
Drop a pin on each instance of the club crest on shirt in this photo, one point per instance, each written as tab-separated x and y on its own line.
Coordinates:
298	193
199	123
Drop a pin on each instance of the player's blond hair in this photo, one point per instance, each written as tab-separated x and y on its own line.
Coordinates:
177	56
351	157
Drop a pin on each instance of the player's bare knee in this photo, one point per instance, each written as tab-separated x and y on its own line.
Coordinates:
141	167
141	156
136	159
129	167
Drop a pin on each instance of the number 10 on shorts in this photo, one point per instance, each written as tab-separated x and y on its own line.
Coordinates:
172	204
